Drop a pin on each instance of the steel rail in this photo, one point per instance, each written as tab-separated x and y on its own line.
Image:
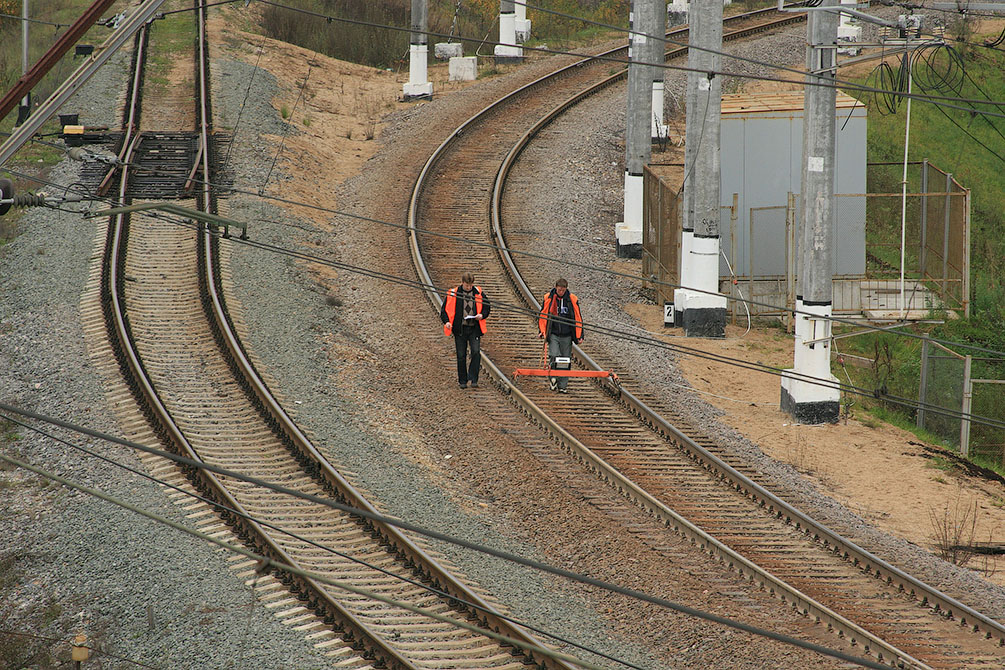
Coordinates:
161	418
820	533
787	593
927	594
441	578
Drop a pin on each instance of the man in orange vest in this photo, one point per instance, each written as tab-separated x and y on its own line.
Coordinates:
463	315
562	323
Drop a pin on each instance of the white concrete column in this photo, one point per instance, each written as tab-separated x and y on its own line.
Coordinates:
522	23
806	401
507	51
701	306
638	145
418	85
656	21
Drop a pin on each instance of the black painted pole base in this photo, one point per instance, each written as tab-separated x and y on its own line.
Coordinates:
823	411
704	322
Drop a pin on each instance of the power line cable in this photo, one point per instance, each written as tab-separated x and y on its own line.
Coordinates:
29	20
879	393
435	535
618	334
266	563
244	104
945	100
220	507
597	269
288	124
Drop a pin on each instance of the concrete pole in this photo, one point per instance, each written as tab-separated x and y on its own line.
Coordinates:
24	109
418	85
658	19
507	51
700	306
810	402
677	12
522	23
638	145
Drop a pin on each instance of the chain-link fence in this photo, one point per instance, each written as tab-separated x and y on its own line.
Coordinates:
962	400
916	247
660	234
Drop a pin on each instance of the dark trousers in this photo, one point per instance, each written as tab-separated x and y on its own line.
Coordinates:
468	338
559	345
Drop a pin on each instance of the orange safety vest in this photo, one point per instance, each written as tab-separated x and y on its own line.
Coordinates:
549	307
450	307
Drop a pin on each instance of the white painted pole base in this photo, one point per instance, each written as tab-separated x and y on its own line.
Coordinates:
418	85
813	396
521	24
658	127
629	231
701	307
522	30
507	51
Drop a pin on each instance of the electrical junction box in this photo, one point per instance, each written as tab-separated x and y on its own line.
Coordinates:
762	162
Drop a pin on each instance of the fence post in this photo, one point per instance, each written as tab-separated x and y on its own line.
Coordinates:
924	219
790	261
945	240
968	389
923	384
734	212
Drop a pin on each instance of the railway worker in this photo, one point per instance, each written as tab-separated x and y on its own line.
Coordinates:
561	323
463	315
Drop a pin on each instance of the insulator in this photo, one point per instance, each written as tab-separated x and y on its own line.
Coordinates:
28	200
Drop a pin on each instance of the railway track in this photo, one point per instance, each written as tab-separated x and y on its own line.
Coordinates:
634	443
163	307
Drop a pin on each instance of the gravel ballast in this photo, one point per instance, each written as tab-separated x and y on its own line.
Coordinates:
351	382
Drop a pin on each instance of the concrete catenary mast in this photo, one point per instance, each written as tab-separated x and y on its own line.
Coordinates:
698	305
507	51
521	23
638	140
418	85
658	126
813	401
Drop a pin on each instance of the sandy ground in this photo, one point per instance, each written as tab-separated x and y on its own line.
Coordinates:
882	473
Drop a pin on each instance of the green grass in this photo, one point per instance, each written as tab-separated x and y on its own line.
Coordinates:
951	140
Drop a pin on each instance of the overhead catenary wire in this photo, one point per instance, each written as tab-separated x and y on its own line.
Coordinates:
220	507
529	254
373	516
615	333
944	100
651	341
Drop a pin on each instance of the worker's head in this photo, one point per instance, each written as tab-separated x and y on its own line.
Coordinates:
467	281
561	286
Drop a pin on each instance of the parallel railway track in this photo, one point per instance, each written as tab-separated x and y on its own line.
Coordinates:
633	443
165	311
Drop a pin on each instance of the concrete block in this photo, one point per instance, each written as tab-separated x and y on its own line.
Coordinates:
463	68
447	50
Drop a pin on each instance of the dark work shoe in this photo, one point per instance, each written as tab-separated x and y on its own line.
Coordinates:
474	385
562	390
464	385
553	382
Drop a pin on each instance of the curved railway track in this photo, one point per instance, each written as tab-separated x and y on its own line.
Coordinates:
633	443
165	311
